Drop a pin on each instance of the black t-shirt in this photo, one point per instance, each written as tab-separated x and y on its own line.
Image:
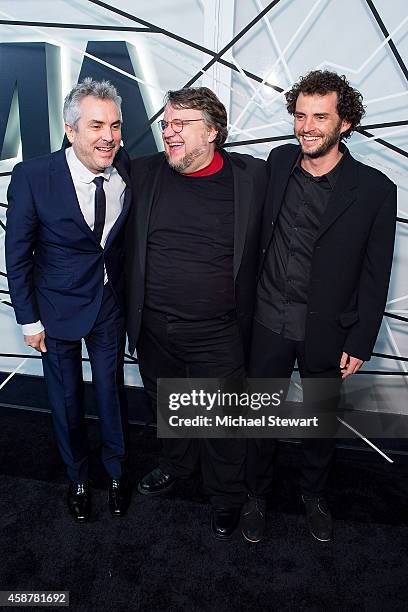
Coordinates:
190	248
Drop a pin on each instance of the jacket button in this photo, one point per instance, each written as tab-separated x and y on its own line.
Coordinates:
263	250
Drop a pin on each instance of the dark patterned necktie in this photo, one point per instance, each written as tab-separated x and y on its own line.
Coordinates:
100	208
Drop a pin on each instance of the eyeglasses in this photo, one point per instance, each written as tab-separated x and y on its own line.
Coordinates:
176	125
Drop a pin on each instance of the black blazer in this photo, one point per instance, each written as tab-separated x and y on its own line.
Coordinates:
352	257
250	181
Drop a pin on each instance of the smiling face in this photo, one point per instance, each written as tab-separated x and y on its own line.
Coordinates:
318	126
191	149
97	134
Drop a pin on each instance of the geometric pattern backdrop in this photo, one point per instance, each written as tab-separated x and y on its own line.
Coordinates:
249	52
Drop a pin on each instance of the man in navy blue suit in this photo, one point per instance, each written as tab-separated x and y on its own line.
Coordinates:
64	258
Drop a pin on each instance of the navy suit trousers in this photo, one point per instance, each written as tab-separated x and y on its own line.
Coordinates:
62	365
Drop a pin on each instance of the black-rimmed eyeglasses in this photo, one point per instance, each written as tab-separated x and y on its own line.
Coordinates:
176	125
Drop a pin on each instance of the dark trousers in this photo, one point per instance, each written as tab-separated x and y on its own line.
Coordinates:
174	348
273	356
62	365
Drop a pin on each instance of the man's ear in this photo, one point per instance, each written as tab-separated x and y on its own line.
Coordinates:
69	132
212	134
345	125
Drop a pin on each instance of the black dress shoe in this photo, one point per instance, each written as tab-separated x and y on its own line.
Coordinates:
318	517
224	522
79	501
156	482
119	494
253	519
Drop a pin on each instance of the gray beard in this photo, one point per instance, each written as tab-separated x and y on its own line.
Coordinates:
186	161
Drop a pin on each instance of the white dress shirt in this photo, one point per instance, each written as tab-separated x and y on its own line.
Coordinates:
114	187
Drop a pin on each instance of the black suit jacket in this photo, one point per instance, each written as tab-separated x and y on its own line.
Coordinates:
249	192
352	257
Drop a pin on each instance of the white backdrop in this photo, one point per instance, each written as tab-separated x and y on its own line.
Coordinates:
363	39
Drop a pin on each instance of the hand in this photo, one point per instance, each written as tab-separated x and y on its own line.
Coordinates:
349	365
37	342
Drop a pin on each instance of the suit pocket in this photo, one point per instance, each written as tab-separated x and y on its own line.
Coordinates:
55	281
347	319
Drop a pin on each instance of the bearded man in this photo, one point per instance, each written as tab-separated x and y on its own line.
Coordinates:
192	251
326	252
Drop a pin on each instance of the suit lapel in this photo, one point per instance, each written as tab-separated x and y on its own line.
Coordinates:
122	165
143	202
279	181
63	190
343	195
280	171
62	183
243	188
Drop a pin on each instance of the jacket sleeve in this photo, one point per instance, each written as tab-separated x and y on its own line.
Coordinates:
21	236
374	280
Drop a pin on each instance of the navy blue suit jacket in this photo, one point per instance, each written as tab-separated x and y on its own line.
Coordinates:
55	265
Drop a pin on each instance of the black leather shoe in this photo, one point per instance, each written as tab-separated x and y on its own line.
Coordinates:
318	517
253	519
119	494
79	501
156	482
224	522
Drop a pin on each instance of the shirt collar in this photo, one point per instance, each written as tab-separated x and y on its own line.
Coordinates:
80	171
330	176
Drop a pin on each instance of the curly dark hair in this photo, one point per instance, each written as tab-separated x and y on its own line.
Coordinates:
205	100
349	101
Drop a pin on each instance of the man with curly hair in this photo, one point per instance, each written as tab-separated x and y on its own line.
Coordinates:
326	253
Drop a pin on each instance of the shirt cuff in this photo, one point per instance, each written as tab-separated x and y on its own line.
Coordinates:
30	329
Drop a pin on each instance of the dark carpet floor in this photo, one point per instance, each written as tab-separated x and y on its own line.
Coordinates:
161	556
